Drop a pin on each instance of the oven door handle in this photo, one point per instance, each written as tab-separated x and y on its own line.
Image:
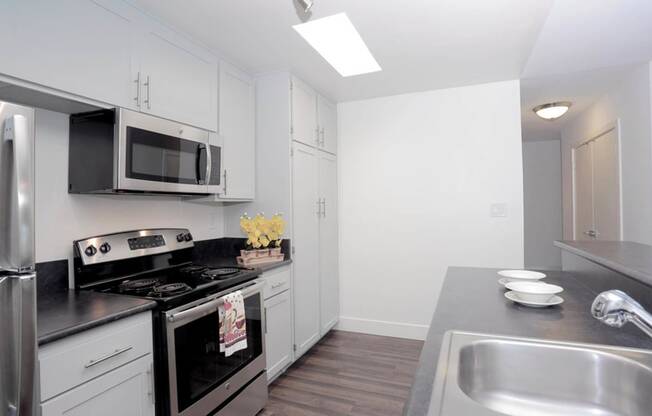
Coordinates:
210	306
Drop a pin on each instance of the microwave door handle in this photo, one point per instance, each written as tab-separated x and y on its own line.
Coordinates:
209	165
21	234
201	148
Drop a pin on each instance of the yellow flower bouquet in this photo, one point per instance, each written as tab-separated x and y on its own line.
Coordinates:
262	232
264	237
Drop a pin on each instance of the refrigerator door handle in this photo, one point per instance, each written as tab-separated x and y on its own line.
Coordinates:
26	346
21	257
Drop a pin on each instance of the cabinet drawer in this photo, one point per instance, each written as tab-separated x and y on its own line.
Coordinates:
76	359
276	281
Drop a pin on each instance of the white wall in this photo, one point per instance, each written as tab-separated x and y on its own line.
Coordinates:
542	203
62	217
628	101
418	174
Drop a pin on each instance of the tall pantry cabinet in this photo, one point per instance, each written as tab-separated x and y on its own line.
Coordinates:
296	174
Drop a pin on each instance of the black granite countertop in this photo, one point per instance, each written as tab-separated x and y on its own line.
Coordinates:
626	257
68	312
472	300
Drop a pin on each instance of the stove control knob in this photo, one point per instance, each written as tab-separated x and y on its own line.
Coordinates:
105	248
180	237
188	237
90	251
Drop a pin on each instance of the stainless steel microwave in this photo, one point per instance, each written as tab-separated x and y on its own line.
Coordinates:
123	151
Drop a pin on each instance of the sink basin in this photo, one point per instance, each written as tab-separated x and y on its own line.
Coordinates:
481	375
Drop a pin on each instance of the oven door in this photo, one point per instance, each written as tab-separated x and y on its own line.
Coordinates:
157	155
201	378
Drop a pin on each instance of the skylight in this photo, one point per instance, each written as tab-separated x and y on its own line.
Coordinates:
336	40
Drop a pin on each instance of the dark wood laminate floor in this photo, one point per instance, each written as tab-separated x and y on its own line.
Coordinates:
347	374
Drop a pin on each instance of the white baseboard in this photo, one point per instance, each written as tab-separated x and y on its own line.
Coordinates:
384	328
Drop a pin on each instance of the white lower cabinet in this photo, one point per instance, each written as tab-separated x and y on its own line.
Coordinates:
125	391
103	371
278	333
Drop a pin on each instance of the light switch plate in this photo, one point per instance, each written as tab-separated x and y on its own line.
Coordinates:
499	210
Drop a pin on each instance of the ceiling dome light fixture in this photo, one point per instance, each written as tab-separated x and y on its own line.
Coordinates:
306	4
552	111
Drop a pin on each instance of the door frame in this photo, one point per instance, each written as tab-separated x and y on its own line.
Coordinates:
612	126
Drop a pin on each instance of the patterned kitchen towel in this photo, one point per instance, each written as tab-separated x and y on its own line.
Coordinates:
233	324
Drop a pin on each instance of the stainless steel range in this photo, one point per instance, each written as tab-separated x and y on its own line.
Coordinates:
193	378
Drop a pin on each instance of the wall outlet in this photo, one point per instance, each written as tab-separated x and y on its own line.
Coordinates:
498	210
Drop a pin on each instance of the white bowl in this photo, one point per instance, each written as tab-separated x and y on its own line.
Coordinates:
520	275
534	291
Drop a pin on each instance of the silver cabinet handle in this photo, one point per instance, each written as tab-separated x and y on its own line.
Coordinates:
317	136
323	139
148	84
318	207
591	233
137	82
324	205
150	376
276	286
115	353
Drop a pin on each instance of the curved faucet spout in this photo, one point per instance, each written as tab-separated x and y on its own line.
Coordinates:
616	308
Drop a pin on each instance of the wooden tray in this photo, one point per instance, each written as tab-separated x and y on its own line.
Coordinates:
253	261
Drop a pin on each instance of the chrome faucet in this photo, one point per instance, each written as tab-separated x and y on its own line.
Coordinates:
616	308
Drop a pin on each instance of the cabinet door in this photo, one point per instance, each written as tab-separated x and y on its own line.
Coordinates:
305	213
328	243
304	114
77	46
237	127
175	83
327	114
278	333
126	391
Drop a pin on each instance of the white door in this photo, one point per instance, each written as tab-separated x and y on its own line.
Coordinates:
125	391
175	83
304	114
597	189
583	190
237	127
305	225
278	333
328	243
606	187
77	46
327	114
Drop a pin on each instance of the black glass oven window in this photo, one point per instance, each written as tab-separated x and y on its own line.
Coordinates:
200	365
157	157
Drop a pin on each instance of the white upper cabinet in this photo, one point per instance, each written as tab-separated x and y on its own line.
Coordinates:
327	121
76	46
304	127
175	83
237	127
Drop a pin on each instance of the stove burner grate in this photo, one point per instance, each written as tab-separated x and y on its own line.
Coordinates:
220	273
137	286
169	289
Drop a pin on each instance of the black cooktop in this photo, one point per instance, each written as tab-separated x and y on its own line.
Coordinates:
175	286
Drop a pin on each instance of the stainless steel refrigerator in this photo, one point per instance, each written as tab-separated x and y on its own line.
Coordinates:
18	348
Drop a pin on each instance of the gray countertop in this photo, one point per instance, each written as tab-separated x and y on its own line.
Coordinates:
626	257
64	313
472	300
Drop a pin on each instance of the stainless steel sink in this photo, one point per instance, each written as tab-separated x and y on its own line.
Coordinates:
481	375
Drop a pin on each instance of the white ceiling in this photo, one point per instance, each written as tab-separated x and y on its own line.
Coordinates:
420	44
562	49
